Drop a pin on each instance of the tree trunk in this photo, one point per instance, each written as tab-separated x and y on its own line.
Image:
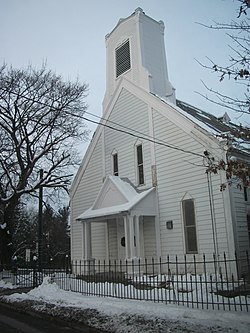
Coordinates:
6	231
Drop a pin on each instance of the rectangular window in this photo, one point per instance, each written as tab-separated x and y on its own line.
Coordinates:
245	188
189	226
248	227
140	165
122	54
115	164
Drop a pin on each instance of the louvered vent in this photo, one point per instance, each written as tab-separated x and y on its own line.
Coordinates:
122	58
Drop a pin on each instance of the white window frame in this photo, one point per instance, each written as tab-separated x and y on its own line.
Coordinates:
189	227
114	172
246	193
248	227
139	166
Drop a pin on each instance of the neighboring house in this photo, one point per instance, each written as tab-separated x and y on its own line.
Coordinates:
142	190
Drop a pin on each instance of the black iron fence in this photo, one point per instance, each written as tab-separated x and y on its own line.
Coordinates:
218	283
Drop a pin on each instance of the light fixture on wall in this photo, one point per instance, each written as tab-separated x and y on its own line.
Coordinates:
169	224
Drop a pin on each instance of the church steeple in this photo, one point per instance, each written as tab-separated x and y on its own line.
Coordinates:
135	49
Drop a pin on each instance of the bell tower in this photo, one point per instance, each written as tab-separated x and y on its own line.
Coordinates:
135	49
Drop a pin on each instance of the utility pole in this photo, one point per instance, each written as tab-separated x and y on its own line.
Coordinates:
40	223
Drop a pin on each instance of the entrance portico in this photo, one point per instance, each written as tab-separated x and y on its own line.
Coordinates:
118	202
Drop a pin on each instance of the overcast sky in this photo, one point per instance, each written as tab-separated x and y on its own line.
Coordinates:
69	35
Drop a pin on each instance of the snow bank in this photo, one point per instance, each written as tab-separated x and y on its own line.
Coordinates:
138	316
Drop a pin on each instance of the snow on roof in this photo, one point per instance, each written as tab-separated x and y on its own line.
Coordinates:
204	119
132	197
221	127
218	127
124	187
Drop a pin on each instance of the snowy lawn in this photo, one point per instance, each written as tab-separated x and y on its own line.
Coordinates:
6	285
200	291
116	315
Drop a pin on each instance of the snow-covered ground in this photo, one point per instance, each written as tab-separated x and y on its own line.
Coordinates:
202	291
6	285
116	315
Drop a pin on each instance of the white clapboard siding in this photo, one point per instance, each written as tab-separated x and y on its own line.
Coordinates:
84	196
98	234
131	113
182	174
112	237
149	237
240	220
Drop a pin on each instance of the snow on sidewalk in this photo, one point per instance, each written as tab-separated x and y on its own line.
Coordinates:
116	315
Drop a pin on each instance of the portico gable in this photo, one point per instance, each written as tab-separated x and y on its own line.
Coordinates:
119	199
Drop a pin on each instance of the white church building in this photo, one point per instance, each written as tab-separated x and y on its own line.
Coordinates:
142	190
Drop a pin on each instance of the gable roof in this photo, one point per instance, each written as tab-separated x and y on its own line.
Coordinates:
183	114
116	196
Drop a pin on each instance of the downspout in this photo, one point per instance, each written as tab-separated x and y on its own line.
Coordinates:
212	213
154	183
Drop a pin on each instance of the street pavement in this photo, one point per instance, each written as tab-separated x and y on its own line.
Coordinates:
13	320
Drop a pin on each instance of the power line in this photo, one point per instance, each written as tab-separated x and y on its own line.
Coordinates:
131	129
140	135
153	140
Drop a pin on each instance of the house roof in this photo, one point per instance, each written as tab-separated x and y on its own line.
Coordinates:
220	125
116	196
216	126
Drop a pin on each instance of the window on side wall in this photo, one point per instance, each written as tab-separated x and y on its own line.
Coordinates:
140	170
115	164
189	226
246	189
248	227
122	55
246	193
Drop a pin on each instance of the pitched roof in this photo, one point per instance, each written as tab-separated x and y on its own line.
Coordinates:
217	126
212	126
116	196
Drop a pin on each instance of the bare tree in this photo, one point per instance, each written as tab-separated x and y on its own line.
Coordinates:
41	118
237	69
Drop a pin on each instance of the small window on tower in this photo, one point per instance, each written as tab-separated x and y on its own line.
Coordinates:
122	54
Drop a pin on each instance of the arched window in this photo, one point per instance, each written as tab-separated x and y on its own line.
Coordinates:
140	169
188	210
248	227
115	163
